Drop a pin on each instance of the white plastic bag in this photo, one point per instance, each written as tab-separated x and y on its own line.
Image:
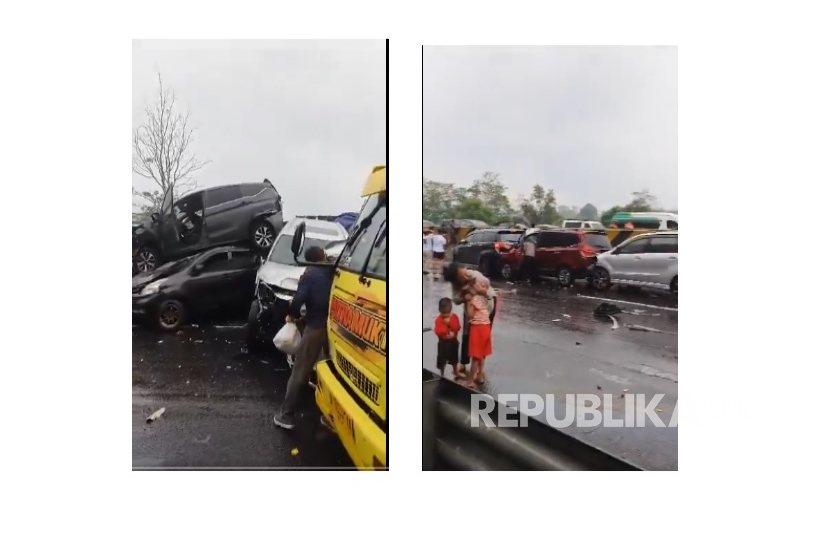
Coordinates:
287	339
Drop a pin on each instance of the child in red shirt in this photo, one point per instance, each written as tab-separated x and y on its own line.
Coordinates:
447	327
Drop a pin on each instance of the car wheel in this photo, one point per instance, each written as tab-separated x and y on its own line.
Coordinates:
487	266
171	315
253	337
263	235
147	259
673	286
506	271
601	278
565	277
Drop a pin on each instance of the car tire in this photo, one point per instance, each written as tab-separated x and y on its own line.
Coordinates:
507	271
601	279
565	277
673	286
487	266
263	235
147	259
253	336
171	315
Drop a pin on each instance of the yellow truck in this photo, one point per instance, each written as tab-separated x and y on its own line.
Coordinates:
351	383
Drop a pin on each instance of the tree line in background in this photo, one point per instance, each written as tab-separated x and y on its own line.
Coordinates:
486	199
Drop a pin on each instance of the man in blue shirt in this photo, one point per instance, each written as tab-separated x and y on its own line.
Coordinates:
313	292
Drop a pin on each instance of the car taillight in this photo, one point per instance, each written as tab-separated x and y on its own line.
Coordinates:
588	251
499	245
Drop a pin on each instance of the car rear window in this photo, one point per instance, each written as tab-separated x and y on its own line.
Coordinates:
572	225
558	239
509	237
256	189
221	195
598	241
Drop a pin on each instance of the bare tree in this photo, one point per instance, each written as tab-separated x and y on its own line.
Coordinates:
162	148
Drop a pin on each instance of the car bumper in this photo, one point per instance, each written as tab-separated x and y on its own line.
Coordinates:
364	441
145	305
276	220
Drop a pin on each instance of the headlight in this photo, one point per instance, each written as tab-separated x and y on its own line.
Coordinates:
152	288
289	284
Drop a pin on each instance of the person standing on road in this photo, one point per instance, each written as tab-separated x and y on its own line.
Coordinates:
529	269
463	281
427	252
439	243
313	291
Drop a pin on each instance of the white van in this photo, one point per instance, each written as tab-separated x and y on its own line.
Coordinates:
658	221
583	224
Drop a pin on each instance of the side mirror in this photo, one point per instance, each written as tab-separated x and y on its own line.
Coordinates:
462	242
298	239
155	217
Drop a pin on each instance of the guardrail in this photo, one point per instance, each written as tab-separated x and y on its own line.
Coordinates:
450	443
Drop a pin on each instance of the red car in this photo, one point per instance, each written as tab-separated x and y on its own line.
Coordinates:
566	254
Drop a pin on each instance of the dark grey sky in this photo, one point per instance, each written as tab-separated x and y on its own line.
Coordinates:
592	123
308	115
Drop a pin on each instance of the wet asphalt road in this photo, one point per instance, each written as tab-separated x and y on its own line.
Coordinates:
547	341
219	403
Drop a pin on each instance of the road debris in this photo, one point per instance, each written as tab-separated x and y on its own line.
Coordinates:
599	387
644	328
198	341
155	415
161	341
614	325
556	320
294	451
205	441
567	316
579	343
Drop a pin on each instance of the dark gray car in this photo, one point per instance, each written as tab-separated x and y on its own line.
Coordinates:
228	214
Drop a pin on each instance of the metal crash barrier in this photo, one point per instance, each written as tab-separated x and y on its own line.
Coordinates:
450	443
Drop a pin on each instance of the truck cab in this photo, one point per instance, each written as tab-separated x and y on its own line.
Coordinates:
351	385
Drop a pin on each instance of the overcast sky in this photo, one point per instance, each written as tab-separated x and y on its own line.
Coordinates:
308	115
592	123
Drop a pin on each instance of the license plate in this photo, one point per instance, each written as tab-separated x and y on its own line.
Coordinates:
342	422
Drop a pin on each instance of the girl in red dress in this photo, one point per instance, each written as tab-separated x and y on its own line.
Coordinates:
481	342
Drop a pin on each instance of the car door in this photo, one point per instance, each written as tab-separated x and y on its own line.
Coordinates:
211	282
243	267
627	261
659	261
224	220
465	251
546	252
189	213
484	242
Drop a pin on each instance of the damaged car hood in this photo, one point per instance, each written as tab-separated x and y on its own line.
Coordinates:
280	275
161	272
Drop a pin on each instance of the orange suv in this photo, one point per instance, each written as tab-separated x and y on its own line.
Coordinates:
565	254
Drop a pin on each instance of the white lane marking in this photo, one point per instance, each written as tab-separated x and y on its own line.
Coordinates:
628	302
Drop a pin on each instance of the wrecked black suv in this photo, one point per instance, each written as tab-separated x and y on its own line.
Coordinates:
223	215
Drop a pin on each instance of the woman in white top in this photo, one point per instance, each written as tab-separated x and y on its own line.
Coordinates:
439	244
427	251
